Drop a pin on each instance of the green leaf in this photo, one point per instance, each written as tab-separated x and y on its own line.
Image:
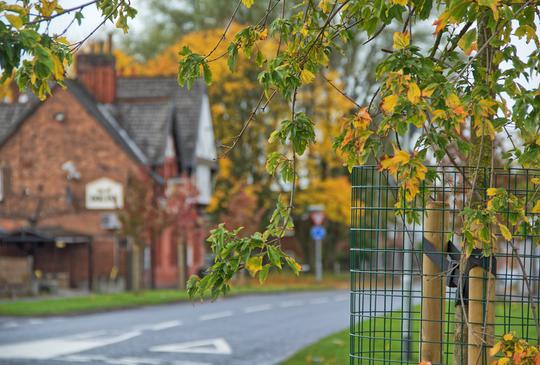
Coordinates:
207	74
232	52
263	274
295	266
274	255
468	42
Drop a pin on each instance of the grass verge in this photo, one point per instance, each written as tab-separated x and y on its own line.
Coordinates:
334	349
103	302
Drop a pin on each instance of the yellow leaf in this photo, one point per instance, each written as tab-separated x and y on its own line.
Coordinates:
491	191
58	68
414	93
503	361
401	40
536	208
392	163
428	91
485	128
389	104
535	180
15	20
348	138
254	265
495	349
363	119
438	114
248	3
505	232
442	21
508	337
307	76
492	4
400	2
325	6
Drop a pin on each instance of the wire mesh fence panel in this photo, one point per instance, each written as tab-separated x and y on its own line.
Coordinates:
415	294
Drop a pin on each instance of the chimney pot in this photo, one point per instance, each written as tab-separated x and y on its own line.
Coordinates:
97	74
110	43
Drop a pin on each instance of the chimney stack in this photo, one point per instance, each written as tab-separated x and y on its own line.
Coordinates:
96	71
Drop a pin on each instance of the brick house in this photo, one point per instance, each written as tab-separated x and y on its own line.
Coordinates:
65	164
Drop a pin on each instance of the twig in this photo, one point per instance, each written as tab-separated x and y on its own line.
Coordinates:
341	92
248	121
224	34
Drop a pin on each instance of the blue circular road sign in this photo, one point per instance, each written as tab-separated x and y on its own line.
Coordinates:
318	232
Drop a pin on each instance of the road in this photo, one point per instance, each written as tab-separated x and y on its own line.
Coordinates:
255	329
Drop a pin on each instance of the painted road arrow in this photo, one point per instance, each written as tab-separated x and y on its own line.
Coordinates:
216	346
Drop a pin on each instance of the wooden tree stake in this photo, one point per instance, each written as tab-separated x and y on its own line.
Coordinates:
433	287
481	299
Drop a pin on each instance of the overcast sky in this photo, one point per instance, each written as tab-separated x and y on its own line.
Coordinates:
92	19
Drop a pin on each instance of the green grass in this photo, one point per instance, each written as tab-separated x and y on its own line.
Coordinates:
334	349
102	302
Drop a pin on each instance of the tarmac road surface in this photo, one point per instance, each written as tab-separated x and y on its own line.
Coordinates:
246	330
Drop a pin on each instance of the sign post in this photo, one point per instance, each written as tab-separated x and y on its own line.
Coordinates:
318	232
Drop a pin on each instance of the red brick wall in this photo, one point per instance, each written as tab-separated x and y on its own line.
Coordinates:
35	154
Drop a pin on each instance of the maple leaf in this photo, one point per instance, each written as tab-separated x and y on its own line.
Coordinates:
441	22
536	208
414	93
493	5
401	40
348	138
468	42
389	104
453	102
508	337
505	232
307	76
363	119
495	349
391	164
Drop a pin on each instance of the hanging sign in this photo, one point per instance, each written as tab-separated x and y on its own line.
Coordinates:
104	193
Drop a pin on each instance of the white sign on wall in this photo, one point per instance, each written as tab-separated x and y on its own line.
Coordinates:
104	193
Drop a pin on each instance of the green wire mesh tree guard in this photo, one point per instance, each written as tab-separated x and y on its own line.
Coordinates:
388	282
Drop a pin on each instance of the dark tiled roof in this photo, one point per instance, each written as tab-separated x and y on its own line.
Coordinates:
148	107
146	111
10	115
147	124
145	87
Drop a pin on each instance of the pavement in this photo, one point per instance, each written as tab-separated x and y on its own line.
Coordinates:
255	329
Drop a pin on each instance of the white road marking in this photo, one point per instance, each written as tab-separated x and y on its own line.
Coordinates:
165	325
209	317
258	308
35	321
11	324
341	298
126	360
216	346
291	303
54	347
319	301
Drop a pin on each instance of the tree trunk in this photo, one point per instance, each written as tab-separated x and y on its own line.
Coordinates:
481	283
